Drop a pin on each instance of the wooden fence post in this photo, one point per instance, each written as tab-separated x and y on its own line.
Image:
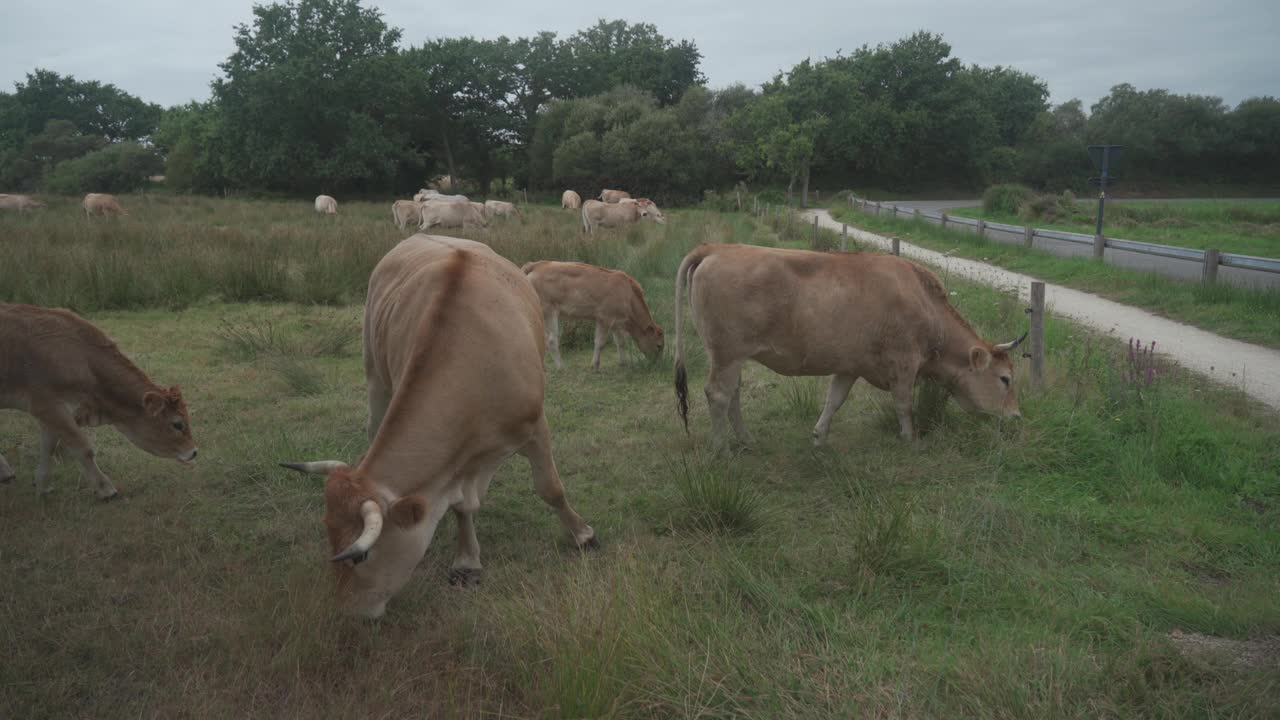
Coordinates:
944	221
916	213
1099	245
817	196
814	244
897	246
982	228
1212	257
1028	235
526	195
844	237
1037	334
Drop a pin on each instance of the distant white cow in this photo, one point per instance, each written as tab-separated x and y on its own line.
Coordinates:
570	200
101	204
598	214
498	208
613	196
404	212
19	202
326	205
425	194
450	214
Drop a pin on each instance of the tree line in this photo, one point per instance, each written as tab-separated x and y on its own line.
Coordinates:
323	96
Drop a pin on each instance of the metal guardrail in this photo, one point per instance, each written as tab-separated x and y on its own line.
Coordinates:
1233	260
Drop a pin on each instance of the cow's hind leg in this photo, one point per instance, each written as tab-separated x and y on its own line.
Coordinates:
618	340
546	482
466	564
735	416
837	393
58	424
551	320
722	385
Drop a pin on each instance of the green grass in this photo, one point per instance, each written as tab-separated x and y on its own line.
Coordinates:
1243	314
1251	228
1028	569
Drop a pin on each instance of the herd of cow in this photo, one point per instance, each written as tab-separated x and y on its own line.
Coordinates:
454	340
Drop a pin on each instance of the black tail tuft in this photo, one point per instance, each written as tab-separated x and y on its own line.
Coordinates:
682	393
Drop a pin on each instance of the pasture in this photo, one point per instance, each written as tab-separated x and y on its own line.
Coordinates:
1050	567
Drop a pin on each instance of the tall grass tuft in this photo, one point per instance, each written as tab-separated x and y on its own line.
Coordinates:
802	396
1006	199
717	499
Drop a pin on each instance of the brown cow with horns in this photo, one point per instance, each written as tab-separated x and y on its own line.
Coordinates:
453	345
847	315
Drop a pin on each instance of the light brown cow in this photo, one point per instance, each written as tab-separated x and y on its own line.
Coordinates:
425	194
326	205
570	200
499	208
846	315
612	298
613	196
404	212
451	214
67	373
453	345
101	204
19	203
598	214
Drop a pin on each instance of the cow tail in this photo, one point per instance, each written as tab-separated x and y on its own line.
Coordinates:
684	278
586	223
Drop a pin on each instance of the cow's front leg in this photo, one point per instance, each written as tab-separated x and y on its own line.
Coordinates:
58	424
618	340
837	393
902	398
735	415
466	568
546	482
602	339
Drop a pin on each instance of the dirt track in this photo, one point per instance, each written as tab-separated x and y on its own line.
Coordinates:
1254	369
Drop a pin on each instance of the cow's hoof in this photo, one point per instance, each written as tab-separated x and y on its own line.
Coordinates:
591	543
464	577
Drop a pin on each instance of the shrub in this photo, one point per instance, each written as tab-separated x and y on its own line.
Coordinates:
1005	199
717	499
115	168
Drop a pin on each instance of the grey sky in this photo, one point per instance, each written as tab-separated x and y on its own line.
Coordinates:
167	51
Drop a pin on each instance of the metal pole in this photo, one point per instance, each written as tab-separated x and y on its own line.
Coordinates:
982	228
814	244
1037	334
1211	259
944	221
1102	191
1028	234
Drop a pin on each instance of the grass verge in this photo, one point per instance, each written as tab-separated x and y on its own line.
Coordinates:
1239	313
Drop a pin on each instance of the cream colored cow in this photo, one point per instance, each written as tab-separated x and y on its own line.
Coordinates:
570	200
326	205
101	204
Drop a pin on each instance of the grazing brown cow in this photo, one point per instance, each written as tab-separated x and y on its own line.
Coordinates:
613	196
101	204
598	214
453	345
499	208
570	200
451	214
19	203
612	298
64	371
326	205
404	212
848	315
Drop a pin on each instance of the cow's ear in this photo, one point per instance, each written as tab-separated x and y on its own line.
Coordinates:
979	358
408	511
153	402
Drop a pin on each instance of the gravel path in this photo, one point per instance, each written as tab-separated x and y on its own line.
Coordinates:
1253	368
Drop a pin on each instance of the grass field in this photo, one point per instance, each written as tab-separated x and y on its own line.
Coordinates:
1052	567
1243	314
1251	228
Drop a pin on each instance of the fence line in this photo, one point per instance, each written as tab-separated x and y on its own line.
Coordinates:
1251	270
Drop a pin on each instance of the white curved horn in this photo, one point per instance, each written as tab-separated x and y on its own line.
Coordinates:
319	467
1006	347
372	515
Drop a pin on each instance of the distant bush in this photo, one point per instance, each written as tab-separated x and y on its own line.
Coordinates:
1051	208
116	168
1005	199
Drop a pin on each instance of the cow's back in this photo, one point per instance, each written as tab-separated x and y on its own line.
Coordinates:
800	312
580	290
47	350
447	316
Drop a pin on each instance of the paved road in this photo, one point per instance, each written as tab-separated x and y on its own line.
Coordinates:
1253	368
940	205
1180	269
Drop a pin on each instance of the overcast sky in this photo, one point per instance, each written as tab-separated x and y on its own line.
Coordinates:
167	51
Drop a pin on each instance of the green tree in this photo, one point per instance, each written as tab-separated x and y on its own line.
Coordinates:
118	167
